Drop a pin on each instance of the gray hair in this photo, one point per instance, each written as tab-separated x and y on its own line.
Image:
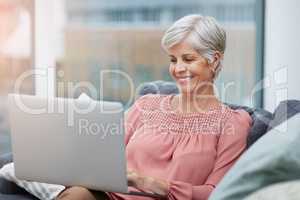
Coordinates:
203	33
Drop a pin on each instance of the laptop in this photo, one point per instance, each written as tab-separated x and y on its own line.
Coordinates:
71	142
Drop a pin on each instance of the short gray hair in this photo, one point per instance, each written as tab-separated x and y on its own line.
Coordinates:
204	33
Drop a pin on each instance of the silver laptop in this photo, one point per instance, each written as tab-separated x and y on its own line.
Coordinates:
69	142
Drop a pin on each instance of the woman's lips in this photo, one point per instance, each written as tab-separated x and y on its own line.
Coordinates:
184	80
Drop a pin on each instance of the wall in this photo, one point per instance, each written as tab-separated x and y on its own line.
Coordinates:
49	22
282	48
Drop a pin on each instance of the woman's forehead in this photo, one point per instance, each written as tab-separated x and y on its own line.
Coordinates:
182	48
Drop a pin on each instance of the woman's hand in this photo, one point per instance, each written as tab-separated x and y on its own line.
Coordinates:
147	184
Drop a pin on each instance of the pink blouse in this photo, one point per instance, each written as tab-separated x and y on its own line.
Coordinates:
192	151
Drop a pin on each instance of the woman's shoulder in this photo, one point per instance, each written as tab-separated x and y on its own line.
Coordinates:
238	116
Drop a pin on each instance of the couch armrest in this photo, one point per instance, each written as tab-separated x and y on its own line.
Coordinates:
5	158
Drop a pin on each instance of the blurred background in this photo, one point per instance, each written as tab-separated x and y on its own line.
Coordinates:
125	35
16	56
78	39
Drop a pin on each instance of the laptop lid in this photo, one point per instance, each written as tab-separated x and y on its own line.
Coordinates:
69	142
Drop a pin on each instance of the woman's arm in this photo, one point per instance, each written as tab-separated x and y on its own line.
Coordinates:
132	119
174	190
147	183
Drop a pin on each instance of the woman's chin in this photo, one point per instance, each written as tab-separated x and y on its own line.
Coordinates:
185	89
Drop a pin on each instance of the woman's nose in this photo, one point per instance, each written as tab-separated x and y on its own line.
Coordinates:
180	68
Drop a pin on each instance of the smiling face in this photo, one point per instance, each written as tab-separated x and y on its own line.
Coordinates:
188	68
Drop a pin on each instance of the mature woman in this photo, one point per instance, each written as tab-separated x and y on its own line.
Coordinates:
180	146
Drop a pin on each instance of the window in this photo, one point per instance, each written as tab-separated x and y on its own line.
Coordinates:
126	36
115	46
16	57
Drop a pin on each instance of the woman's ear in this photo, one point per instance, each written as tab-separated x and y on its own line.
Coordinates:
216	61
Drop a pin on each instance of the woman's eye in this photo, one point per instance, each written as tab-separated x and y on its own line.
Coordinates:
173	61
189	59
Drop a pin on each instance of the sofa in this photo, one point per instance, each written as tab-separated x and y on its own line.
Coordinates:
263	123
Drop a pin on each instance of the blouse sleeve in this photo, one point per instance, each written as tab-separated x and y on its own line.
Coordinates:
132	119
231	144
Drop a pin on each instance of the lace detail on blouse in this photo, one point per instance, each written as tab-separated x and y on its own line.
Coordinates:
158	114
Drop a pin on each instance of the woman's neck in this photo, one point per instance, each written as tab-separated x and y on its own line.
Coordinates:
199	101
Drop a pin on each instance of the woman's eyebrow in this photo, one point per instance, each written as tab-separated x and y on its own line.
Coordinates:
183	55
189	54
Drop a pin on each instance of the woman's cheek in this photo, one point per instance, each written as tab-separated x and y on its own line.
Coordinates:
171	71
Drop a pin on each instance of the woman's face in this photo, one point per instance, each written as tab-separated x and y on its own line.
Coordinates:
188	68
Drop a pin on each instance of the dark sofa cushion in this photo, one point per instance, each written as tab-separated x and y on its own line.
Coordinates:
5	158
9	190
16	197
261	119
285	110
8	187
157	87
